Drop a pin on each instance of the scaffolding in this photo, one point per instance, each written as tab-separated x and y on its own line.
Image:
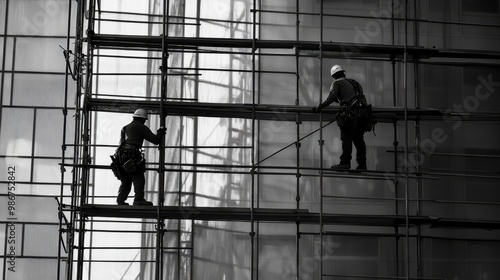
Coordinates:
173	49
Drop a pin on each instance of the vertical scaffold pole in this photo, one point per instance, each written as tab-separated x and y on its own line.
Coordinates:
180	181
297	103
321	142
407	179
63	152
161	167
252	206
76	149
417	137
195	128
395	144
85	118
95	83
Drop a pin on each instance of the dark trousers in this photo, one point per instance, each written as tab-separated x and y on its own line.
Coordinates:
351	132
127	180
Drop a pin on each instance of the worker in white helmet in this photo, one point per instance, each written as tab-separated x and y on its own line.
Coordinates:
351	118
132	159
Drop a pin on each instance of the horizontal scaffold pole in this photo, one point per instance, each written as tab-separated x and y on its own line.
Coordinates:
238	214
274	112
154	43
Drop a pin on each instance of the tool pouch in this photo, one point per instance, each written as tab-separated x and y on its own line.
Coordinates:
371	120
342	117
133	160
116	167
135	164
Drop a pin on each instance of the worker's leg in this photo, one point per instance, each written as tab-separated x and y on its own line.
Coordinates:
139	183
359	143
124	190
346	136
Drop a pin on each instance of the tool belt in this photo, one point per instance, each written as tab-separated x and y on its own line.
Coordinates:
357	109
354	110
131	158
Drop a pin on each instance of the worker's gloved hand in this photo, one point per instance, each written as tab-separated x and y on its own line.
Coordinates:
316	110
162	130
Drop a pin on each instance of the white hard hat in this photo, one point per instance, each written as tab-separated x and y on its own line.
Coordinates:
336	69
140	113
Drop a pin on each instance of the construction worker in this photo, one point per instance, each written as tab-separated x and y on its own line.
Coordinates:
131	157
351	118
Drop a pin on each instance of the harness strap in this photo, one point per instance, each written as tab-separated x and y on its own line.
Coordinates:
353	102
355	99
126	150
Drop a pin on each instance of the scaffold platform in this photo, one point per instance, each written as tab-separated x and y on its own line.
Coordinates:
241	214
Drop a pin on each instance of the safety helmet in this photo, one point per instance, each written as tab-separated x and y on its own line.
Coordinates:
140	113
335	69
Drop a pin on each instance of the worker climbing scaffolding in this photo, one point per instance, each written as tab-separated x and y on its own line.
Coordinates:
129	164
352	118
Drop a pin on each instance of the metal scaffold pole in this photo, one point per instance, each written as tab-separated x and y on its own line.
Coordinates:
321	143
297	143
161	167
195	136
395	143
85	135
253	239
406	152
418	153
95	84
61	216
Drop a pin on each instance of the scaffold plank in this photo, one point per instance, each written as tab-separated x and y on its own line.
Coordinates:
272	111
375	50
239	214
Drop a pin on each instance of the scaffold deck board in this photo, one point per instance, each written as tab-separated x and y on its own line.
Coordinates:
273	111
375	50
239	214
263	111
381	174
361	172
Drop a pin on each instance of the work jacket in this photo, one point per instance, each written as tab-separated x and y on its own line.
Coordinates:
136	132
342	91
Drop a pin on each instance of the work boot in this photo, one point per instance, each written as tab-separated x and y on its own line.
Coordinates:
342	166
143	202
361	167
121	203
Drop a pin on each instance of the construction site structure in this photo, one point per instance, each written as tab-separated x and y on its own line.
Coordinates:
241	184
203	191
